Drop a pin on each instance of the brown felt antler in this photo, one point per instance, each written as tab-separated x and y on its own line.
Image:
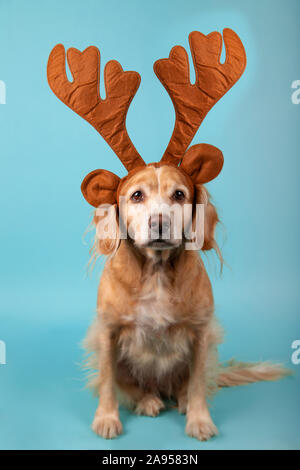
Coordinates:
201	162
108	116
213	80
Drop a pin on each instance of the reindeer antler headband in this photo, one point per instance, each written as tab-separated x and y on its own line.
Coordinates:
201	162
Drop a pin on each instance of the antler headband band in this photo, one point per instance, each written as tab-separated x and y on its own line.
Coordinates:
191	102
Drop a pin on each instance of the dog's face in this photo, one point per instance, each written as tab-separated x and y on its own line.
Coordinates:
157	211
155	205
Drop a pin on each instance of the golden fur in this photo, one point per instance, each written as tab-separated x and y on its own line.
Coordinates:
155	335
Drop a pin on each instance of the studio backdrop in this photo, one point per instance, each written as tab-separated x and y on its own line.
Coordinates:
47	295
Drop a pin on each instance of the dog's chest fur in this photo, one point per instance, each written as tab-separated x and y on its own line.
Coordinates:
155	342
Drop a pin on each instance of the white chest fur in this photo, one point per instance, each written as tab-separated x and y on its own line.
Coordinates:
155	346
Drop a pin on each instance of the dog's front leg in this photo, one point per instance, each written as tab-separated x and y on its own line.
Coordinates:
199	423
107	422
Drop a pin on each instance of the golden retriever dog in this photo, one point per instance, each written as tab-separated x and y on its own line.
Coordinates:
155	336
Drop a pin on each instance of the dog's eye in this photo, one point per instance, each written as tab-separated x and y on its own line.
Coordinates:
137	196
178	195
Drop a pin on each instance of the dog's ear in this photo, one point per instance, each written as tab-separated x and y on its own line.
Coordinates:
210	219
107	238
100	187
202	162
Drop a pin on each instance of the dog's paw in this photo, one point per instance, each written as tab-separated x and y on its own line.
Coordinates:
201	428
107	426
149	405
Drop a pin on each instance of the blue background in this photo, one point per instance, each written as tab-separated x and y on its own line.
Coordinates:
46	300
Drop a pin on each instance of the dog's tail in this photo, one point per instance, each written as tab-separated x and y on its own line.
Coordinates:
241	373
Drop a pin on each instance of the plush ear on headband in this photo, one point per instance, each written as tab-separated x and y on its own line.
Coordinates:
202	162
100	187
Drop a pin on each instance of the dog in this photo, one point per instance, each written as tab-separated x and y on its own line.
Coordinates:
155	336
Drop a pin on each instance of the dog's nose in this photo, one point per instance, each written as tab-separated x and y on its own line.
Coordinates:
155	222
159	224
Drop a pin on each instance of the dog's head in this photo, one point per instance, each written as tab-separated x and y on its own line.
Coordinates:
162	207
146	201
